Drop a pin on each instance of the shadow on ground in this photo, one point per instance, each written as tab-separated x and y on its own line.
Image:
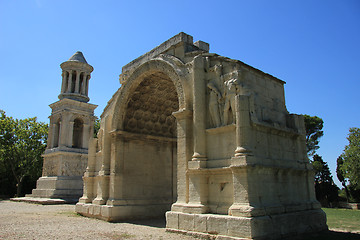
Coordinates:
153	222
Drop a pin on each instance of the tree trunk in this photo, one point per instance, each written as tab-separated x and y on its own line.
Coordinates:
19	188
346	191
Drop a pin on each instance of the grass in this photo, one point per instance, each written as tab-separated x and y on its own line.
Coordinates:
69	214
343	219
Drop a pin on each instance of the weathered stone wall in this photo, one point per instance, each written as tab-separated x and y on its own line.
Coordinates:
241	160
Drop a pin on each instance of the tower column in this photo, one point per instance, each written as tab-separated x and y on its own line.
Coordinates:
87	85
77	83
64	81
69	82
83	86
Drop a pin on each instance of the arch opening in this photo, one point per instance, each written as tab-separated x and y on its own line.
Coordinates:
77	133
150	145
56	134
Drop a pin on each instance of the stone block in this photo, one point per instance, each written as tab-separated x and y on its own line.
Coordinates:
202	45
239	227
200	223
217	224
186	221
172	220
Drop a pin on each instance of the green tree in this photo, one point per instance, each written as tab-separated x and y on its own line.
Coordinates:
21	144
351	156
96	126
325	189
341	176
313	126
350	165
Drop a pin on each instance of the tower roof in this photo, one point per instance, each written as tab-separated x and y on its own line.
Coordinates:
78	57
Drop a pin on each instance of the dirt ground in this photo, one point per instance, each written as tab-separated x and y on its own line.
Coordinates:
20	220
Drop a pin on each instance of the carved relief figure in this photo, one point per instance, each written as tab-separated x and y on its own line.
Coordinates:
232	88
214	104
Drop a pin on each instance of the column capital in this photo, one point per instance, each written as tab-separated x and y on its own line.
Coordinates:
182	114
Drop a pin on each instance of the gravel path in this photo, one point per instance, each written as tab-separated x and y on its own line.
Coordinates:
20	220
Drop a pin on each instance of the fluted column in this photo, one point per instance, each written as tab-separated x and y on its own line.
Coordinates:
69	82
62	134
83	84
243	127
199	107
87	85
77	82
70	134
64	81
50	139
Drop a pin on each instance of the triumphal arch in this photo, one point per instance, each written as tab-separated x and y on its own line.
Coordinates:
206	140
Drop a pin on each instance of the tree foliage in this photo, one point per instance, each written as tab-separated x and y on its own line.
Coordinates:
341	175
351	156
96	126
313	126
325	189
22	141
348	165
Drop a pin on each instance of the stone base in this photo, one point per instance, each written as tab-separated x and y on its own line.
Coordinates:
123	212
58	187
265	227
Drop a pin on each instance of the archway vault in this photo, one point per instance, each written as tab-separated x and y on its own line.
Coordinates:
150	107
133	164
168	73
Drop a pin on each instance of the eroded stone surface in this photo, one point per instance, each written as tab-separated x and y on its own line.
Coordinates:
205	138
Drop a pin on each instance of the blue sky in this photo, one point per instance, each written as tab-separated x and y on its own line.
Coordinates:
314	46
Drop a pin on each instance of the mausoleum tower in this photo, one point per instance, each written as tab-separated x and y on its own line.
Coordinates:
75	78
71	126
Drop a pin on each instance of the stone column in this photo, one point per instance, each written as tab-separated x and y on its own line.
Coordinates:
116	169
77	83
50	139
104	173
69	82
184	153
64	81
70	134
105	167
62	134
87	85
86	136
83	84
89	175
199	108
243	127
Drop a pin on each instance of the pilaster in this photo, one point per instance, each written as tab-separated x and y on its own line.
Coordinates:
184	153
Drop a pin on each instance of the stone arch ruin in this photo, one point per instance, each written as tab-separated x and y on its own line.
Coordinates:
208	141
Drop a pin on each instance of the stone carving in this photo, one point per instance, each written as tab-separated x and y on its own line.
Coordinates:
232	88
215	104
71	125
183	137
150	109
